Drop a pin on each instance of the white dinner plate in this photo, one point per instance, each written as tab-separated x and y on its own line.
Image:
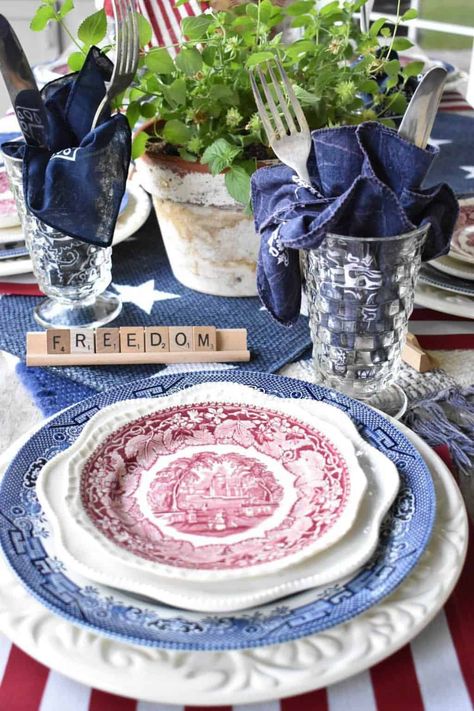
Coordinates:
130	220
96	558
252	675
445	301
454	267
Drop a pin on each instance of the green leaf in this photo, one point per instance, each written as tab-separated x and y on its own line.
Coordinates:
412	69
76	61
398	103
196	27
159	61
66	8
176	132
305	97
392	68
93	29
377	26
186	155
219	155
147	109
237	182
401	43
145	31
189	61
223	94
133	113
175	93
299	8
409	15
139	144
258	58
209	55
41	18
301	21
252	11
330	9
369	86
266	11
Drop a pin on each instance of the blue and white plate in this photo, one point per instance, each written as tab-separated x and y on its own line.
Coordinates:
30	548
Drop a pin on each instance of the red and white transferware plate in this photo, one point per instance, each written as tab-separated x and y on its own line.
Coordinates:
462	242
8	212
209	485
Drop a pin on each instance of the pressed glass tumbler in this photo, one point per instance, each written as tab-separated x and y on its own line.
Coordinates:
74	275
360	294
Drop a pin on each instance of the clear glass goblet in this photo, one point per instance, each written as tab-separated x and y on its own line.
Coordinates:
74	275
360	294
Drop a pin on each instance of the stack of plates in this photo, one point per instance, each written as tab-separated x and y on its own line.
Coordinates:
14	257
206	516
447	284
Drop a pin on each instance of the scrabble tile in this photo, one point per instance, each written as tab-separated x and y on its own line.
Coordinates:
132	339
58	340
157	338
204	338
82	340
107	340
181	338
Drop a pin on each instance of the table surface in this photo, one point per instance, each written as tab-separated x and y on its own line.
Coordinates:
434	672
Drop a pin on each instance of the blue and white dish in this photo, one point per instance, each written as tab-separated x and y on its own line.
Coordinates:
30	549
430	275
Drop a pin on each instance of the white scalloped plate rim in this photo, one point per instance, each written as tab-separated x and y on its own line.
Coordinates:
111	418
253	675
454	267
85	553
431	297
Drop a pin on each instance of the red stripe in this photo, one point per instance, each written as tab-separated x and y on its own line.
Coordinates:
460	615
447	342
176	13
23	682
429	315
146	9
313	701
395	683
103	701
166	19
22	289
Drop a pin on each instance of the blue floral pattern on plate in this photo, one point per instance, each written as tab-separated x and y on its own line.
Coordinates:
30	549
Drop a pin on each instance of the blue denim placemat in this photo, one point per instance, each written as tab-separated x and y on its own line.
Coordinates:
141	265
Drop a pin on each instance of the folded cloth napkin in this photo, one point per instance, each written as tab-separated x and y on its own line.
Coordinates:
365	183
76	184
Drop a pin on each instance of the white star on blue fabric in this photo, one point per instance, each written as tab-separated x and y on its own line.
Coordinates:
469	170
439	141
144	295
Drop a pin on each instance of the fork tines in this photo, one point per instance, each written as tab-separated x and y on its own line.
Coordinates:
279	107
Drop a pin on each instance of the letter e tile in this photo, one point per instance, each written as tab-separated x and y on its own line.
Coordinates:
132	339
107	340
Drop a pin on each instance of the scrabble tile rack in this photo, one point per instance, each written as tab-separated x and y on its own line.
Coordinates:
230	346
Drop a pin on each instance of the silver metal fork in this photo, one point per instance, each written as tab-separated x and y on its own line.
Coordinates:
126	53
291	143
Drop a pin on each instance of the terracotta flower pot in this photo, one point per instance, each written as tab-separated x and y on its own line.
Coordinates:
211	244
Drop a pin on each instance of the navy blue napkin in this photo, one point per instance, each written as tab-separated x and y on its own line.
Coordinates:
76	184
365	183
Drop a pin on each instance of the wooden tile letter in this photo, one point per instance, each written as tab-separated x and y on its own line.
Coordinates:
82	340
107	340
204	338
132	339
181	338
58	340
157	338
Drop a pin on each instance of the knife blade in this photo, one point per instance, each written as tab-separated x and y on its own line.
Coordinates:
420	115
22	88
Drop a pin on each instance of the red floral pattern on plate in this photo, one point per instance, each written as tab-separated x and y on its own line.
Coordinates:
462	242
215	486
7	203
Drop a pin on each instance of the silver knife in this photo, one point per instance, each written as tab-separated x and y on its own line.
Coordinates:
22	88
365	13
420	115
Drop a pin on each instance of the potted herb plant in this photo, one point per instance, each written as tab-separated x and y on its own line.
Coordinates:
200	138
